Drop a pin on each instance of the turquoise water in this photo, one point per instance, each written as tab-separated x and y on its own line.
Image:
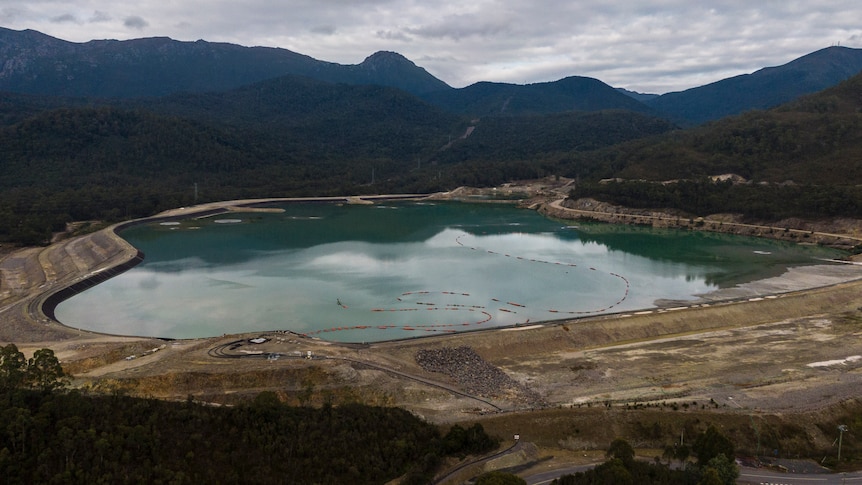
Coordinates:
369	273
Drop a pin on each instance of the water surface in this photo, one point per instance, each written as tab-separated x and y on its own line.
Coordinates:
370	273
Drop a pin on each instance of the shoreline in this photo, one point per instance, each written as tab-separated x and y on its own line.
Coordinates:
761	350
592	209
569	362
41	309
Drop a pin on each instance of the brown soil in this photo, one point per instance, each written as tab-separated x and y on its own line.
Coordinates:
786	346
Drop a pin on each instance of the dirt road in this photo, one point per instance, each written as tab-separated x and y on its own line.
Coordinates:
787	343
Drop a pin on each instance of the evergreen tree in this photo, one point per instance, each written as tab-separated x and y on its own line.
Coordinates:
13	367
44	371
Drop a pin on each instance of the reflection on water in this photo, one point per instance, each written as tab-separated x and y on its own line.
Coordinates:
368	273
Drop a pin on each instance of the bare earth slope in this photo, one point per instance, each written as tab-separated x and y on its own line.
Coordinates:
788	344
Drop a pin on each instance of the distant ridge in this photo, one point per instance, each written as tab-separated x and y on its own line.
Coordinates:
573	93
35	63
816	139
762	89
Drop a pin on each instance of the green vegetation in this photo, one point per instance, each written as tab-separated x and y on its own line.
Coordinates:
284	137
500	478
714	465
703	197
115	160
48	436
803	159
575	93
550	137
42	371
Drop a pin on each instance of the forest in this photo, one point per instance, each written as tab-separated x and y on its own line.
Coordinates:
760	202
52	435
103	160
714	465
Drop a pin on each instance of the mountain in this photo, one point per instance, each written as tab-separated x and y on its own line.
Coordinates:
762	89
323	120
802	159
538	138
38	64
569	94
642	97
386	69
278	122
35	63
816	139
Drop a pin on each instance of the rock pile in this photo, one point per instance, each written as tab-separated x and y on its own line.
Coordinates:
475	375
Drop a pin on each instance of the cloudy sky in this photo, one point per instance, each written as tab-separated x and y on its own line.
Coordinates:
652	46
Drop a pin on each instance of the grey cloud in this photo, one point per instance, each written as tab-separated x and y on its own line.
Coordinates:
99	16
645	45
324	29
66	17
8	14
393	35
135	22
458	27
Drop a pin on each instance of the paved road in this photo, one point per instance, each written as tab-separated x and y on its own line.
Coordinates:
759	476
448	476
747	476
547	477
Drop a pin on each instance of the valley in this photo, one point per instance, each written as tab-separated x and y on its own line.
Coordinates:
710	350
100	134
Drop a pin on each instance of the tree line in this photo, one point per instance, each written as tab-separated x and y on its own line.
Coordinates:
49	434
100	160
714	465
702	196
42	371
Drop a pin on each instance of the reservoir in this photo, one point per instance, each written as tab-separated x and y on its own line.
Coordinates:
363	273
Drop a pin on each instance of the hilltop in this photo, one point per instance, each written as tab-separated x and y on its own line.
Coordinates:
763	89
39	64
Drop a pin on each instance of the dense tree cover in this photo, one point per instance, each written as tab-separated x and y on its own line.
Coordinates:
51	437
47	436
762	89
42	371
715	465
701	197
319	121
469	441
110	161
815	140
573	93
710	444
285	137
499	478
157	66
534	138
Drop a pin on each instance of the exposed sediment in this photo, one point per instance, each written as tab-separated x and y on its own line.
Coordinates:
563	362
791	230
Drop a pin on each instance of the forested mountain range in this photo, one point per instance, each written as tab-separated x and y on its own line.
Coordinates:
815	139
70	158
77	159
763	89
801	159
499	99
35	63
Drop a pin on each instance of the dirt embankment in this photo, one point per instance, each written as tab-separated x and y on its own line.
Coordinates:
711	349
841	233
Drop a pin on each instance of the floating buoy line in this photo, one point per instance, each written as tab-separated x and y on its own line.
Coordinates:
475	315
